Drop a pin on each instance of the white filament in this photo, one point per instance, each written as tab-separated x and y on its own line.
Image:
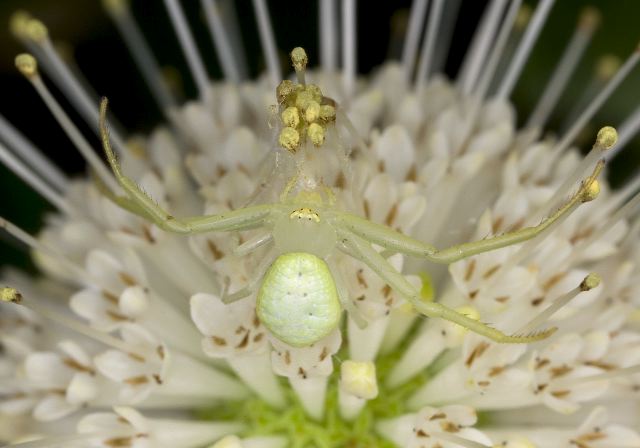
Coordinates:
221	41
32	156
429	42
328	35
143	57
525	47
416	19
268	41
349	65
627	130
74	134
35	181
549	311
568	63
477	53
189	48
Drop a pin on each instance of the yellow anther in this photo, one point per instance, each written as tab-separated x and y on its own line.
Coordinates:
291	117
316	134
228	442
299	59
27	65
305	213
289	139
607	137
327	113
284	89
316	93
313	112
36	31
303	99
18	23
116	6
592	191
524	14
590	18
590	281
607	66
10	295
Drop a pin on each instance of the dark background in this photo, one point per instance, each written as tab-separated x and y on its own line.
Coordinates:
98	50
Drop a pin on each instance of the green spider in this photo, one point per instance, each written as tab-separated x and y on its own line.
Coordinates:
300	296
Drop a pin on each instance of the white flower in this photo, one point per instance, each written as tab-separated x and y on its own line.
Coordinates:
134	336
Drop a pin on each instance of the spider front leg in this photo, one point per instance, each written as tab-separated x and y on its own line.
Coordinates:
141	204
360	249
397	242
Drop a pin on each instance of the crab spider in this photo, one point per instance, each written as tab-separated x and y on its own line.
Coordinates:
300	293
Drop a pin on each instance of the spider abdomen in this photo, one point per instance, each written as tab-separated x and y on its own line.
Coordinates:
298	301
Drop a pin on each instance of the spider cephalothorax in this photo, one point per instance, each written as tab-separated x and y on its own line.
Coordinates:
300	296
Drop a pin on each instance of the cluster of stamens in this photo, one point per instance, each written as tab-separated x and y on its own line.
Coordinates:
304	111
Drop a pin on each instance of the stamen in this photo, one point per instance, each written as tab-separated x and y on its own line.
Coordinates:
144	59
300	60
525	47
429	41
590	281
223	47
189	48
33	156
36	182
28	66
349	46
498	49
268	41
37	245
11	295
328	33
416	19
66	81
587	24
444	35
605	140
605	68
628	129
593	107
480	45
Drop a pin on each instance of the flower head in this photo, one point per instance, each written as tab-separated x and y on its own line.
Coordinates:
299	305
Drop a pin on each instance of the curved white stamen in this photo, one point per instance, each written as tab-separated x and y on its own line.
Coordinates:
477	53
497	51
349	63
143	57
268	41
33	156
221	41
568	63
189	48
38	184
328	33
444	36
416	19
429	41
74	134
526	45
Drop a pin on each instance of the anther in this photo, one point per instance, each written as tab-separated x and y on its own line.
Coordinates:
8	294
289	139
18	24
116	6
316	134
291	117
591	192
591	281
313	112
300	60
327	113
27	65
607	137
36	31
284	89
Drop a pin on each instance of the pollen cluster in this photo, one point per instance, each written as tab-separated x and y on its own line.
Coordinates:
304	111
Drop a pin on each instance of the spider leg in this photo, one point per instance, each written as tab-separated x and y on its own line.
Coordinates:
395	241
360	249
254	283
141	204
